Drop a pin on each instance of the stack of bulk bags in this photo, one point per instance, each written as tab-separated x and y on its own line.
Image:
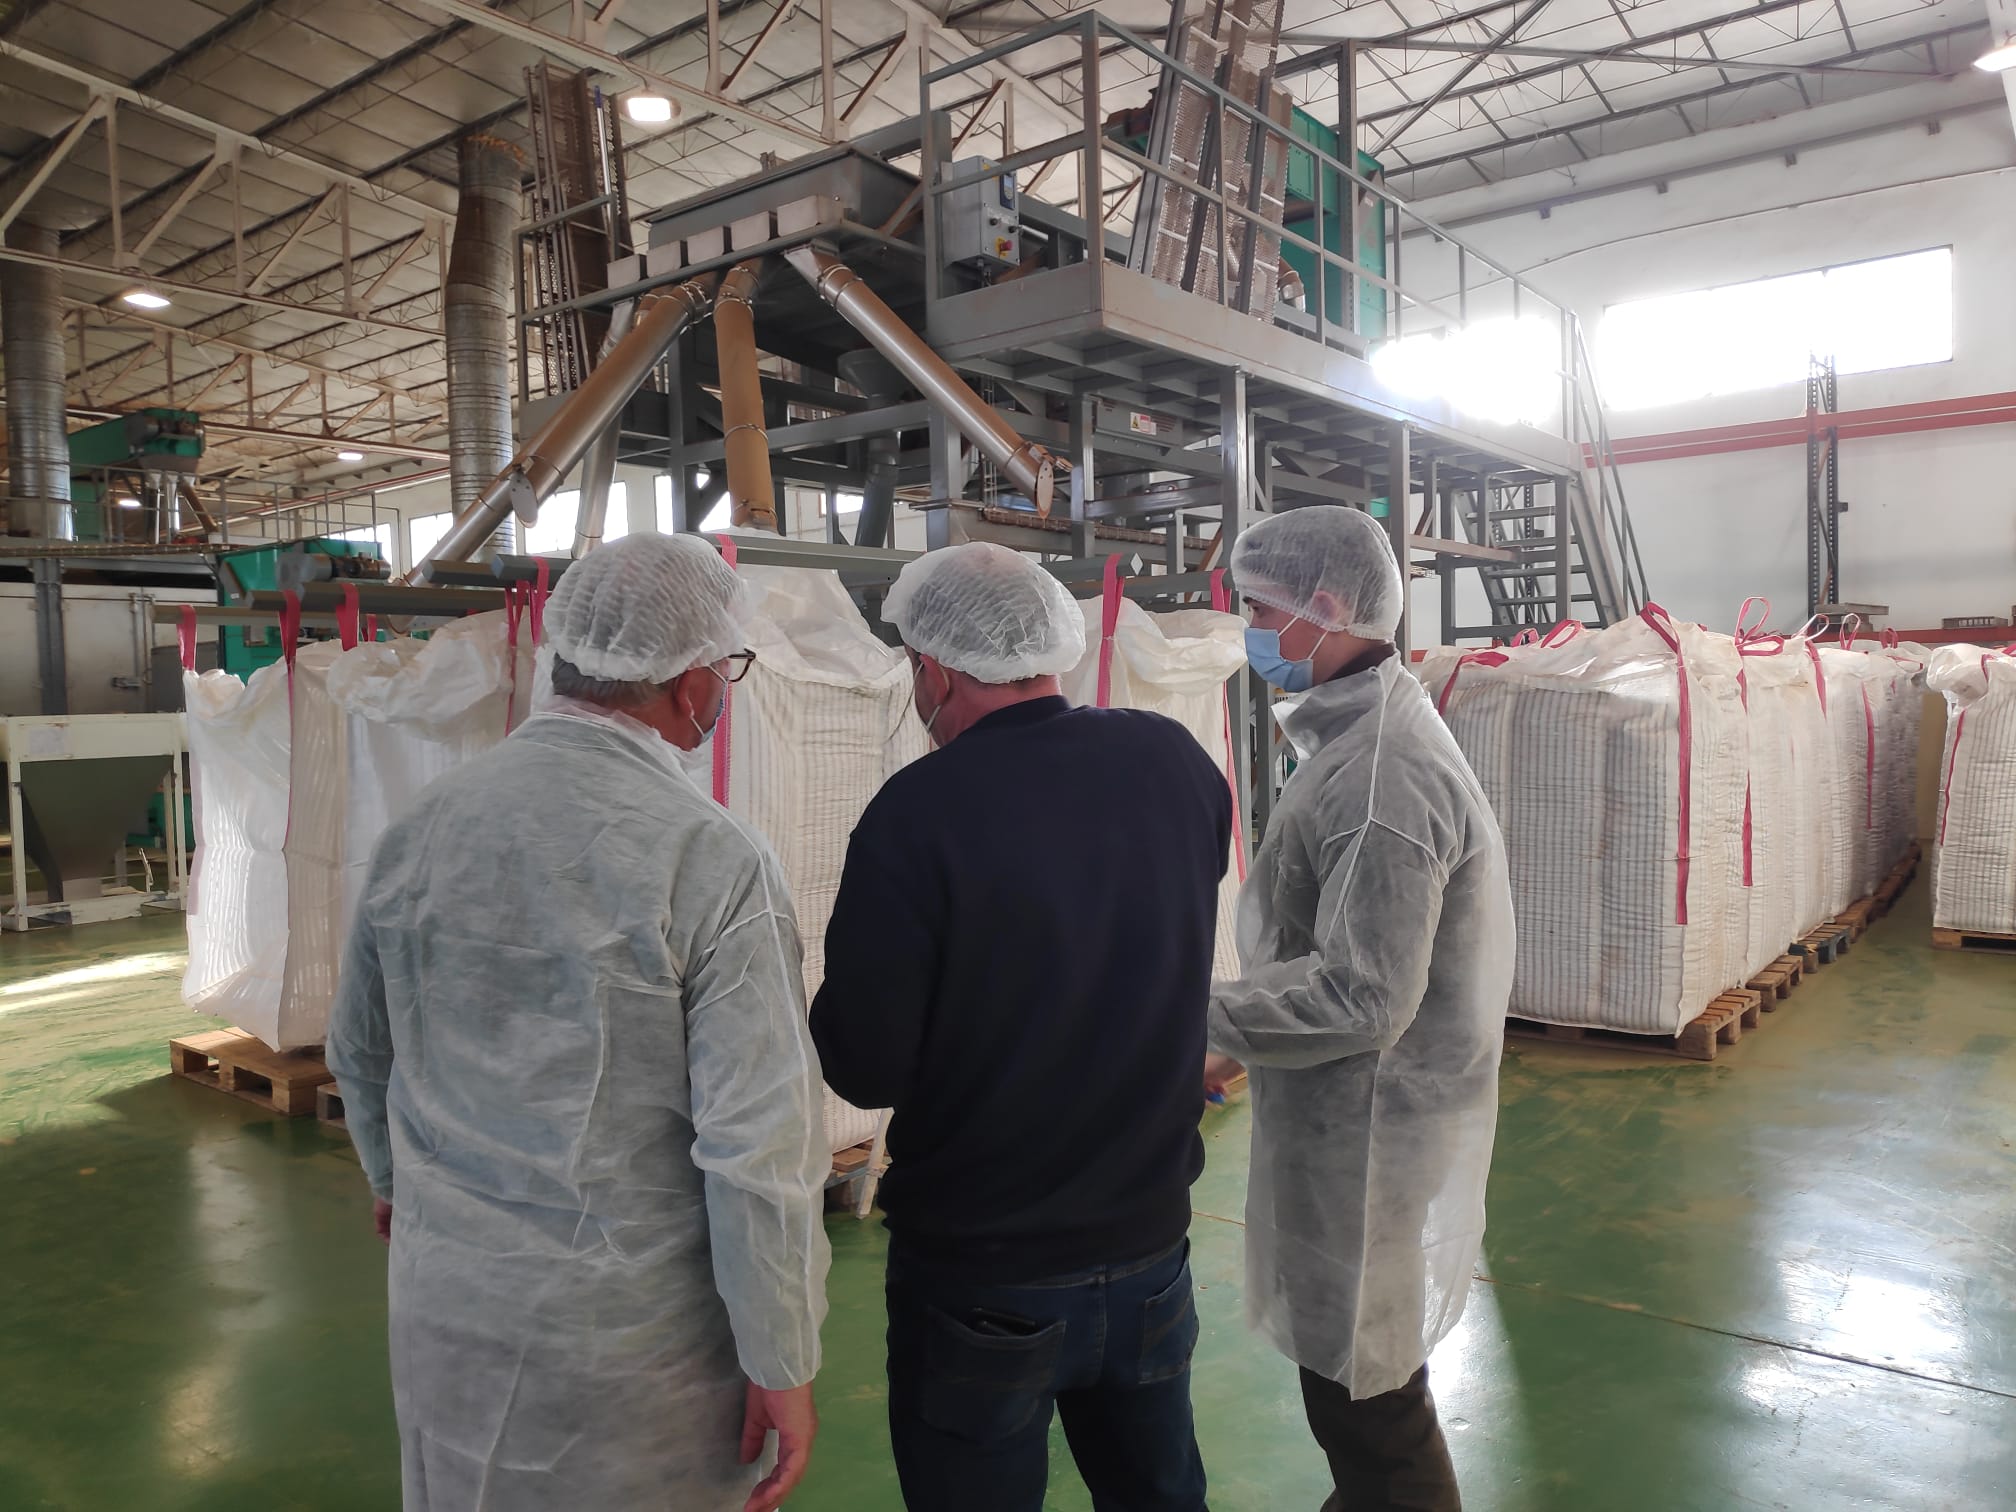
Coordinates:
1902	715
1787	835
1974	877
1857	689
823	719
1175	664
1616	762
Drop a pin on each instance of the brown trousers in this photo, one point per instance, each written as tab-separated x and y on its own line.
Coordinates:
1386	1453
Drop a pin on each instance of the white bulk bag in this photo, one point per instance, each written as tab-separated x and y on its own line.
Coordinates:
1792	786
414	710
318	790
1175	664
823	719
1974	832
1857	688
1902	713
1615	762
237	911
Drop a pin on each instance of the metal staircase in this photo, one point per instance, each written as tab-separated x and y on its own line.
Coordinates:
1578	556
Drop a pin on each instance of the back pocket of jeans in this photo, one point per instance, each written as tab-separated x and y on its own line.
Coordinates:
984	1386
1169	1330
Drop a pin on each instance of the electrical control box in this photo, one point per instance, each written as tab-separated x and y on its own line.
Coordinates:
983	221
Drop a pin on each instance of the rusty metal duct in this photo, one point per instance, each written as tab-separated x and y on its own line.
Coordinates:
1023	463
476	321
530	477
752	496
31	343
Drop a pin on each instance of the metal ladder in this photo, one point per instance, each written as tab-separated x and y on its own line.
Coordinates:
1578	555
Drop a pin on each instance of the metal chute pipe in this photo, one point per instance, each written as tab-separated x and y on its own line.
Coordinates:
598	471
1025	464
752	496
476	320
544	462
38	443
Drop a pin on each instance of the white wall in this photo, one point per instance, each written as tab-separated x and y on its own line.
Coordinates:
1932	527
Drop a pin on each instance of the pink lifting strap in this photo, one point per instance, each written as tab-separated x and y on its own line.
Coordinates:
1110	595
1751	640
514	611
1662	626
185	635
723	727
1482	659
347	616
535	601
1221	600
290	641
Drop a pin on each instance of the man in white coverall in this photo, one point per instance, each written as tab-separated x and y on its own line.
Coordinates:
570	1034
1375	932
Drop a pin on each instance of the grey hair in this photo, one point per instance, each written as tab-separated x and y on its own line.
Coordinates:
570	682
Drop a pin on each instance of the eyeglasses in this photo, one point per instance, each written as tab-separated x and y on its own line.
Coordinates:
737	666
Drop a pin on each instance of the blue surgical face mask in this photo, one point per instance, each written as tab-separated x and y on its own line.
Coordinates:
1263	654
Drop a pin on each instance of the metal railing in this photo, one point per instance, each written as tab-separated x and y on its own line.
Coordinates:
1092	146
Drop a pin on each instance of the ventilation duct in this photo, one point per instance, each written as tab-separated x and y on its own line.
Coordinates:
31	344
476	320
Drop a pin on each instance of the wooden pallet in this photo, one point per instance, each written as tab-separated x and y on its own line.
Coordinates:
1973	939
329	1105
1775	982
239	1063
1721	1023
1824	945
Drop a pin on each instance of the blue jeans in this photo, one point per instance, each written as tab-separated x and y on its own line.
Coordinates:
976	1367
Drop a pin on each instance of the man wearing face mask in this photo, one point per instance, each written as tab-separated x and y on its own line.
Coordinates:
1375	931
570	1034
1017	964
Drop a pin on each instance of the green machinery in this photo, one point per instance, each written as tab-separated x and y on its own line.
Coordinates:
146	457
1300	217
245	649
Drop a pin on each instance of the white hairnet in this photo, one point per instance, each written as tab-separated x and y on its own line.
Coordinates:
1286	560
646	608
986	611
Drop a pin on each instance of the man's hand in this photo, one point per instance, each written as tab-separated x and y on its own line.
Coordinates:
796	1420
381	1219
1220	1071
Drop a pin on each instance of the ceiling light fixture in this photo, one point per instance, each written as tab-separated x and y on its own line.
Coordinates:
649	109
2000	58
144	299
129	502
349	456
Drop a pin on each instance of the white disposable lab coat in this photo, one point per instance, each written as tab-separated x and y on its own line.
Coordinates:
1375	933
571	1038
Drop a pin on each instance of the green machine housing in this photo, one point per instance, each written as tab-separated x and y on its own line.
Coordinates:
1334	234
104	456
244	649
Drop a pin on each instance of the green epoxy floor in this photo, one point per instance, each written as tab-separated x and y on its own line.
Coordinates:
1783	1280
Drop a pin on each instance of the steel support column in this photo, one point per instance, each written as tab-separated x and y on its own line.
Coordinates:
1399	484
51	666
1252	739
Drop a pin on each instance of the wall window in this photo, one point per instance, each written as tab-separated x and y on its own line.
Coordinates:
717	517
423	534
552	533
1889	312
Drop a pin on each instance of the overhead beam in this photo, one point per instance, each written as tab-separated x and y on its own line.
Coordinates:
93	113
631	75
227	296
180	203
873	83
754	50
935	28
1629	53
98	84
1525	13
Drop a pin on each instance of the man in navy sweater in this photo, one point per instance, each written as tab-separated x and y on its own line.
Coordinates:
1018	964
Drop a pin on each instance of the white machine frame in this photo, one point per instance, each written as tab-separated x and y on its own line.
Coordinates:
29	738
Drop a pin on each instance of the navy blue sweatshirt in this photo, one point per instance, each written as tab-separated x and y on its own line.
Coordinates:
1018	964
